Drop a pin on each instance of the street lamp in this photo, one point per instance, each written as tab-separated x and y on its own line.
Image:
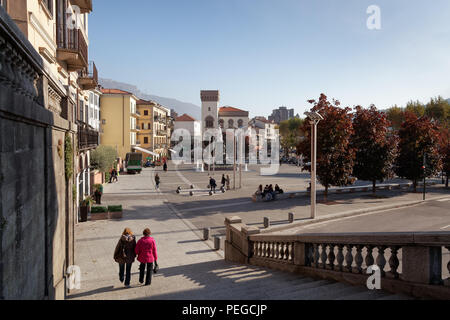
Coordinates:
314	119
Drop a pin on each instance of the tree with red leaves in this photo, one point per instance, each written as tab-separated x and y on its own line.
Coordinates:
418	137
374	145
334	153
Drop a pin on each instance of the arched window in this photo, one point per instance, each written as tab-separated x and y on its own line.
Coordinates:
221	123
240	123
209	122
230	123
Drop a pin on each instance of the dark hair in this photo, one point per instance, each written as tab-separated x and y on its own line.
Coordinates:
147	232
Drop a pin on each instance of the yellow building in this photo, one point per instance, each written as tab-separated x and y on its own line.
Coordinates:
119	116
154	133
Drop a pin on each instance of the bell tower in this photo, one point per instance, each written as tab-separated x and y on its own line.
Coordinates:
210	111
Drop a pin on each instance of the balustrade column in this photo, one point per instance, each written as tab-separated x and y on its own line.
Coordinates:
394	262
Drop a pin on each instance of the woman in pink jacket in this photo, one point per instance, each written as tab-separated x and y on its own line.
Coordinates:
146	255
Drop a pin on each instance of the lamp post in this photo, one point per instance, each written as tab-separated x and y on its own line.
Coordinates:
314	119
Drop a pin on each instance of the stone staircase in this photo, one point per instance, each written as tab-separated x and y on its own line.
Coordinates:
243	282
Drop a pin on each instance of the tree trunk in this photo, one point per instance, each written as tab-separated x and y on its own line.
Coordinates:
415	185
374	186
446	182
325	194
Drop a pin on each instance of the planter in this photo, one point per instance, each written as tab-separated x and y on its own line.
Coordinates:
99	213
115	212
84	213
116	215
99	216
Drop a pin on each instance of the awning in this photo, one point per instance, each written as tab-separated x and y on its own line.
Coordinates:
173	151
146	151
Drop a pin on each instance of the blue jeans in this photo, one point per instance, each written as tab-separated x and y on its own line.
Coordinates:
128	273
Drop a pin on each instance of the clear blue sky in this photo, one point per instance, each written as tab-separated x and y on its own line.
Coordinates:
262	54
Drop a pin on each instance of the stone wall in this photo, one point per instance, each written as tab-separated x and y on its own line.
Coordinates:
36	207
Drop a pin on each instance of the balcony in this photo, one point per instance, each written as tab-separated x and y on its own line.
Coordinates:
87	138
88	77
72	48
84	5
161	133
160	119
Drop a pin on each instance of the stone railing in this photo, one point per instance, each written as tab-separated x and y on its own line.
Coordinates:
410	263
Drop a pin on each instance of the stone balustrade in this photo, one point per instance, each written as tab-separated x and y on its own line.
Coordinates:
410	263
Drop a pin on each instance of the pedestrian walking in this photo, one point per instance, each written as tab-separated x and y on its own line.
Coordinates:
212	184
157	181
147	256
165	166
124	255
224	181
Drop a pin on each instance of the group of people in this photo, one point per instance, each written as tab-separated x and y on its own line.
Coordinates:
224	182
126	252
269	193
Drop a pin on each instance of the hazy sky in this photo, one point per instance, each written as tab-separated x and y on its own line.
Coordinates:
262	54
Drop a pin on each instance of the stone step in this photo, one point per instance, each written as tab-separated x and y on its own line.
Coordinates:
245	287
263	290
365	295
322	291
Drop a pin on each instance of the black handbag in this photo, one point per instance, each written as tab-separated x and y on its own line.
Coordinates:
156	268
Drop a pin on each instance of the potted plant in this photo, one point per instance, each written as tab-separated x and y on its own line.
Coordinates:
98	192
99	213
85	205
115	212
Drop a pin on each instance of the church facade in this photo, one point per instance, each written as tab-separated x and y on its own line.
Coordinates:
226	117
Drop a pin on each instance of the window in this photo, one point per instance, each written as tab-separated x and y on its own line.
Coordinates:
221	123
240	123
81	110
146	140
209	122
3	3
145	112
231	124
149	126
48	4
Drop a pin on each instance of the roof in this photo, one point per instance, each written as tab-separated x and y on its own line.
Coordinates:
232	111
145	102
115	91
185	117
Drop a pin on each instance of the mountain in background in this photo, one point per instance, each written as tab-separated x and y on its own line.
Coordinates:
179	106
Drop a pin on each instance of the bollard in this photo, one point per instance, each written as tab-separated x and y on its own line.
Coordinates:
178	190
206	232
217	243
192	186
266	222
291	217
191	193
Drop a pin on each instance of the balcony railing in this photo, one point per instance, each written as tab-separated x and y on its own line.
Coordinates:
88	77
72	48
87	138
410	263
161	132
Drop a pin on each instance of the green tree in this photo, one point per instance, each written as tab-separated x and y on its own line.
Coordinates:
416	107
375	147
334	153
290	133
418	137
439	110
103	158
396	116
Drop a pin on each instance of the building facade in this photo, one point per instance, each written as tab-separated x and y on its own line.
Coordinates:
119	117
281	114
42	104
